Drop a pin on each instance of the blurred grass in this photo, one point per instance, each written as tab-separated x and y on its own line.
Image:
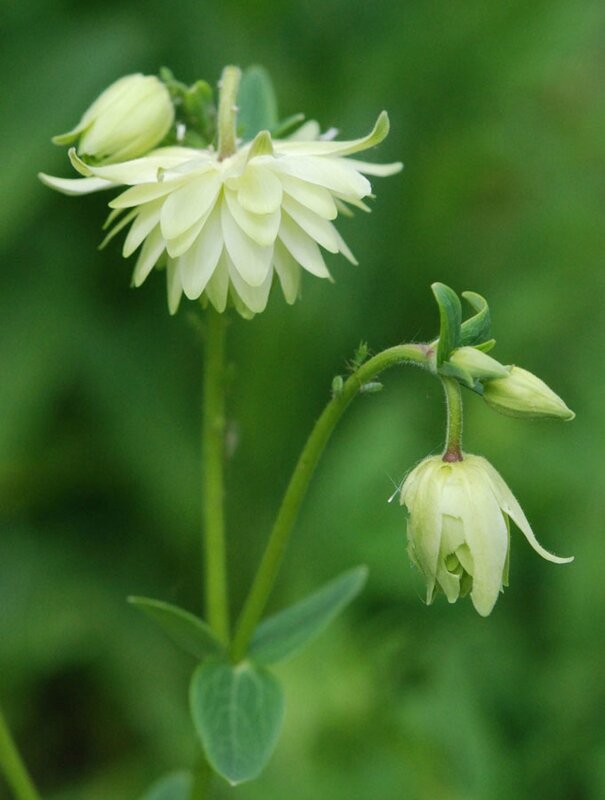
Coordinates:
498	112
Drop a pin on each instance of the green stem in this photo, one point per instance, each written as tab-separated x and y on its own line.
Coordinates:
202	781
299	482
453	398
227	112
213	435
13	767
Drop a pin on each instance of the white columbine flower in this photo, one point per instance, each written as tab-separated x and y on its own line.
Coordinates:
223	228
127	120
458	529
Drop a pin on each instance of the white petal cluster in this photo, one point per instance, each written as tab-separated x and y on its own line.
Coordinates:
458	530
224	228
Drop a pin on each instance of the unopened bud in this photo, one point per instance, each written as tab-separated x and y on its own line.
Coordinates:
522	394
127	120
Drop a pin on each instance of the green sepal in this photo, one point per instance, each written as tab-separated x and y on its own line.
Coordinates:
450	320
194	108
485	347
238	711
449	370
284	634
187	631
475	329
176	786
261	146
256	102
199	110
286	127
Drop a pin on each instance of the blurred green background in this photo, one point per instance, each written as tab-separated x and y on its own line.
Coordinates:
498	112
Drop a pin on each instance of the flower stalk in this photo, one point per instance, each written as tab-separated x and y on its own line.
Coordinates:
213	436
453	399
227	112
13	767
264	580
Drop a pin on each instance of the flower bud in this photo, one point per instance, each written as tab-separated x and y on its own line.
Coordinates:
127	120
522	394
458	529
478	364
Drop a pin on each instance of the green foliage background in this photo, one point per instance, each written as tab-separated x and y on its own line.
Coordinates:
498	112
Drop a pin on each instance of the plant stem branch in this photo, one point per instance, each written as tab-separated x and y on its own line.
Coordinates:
13	767
213	435
299	482
453	398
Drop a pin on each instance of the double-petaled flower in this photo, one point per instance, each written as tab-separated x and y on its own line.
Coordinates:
458	528
224	228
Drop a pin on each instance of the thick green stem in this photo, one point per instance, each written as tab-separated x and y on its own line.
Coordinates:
213	437
453	398
227	112
202	781
299	482
12	766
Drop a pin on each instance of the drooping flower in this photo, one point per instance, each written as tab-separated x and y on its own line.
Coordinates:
523	394
458	528
127	120
224	228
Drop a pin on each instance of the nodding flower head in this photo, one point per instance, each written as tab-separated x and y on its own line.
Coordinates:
458	528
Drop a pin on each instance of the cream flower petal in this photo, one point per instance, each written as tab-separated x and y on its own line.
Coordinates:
380	170
145	221
217	289
322	231
303	248
343	248
252	261
173	285
313	197
139	170
323	148
254	297
487	538
422	490
75	186
261	228
258	189
141	194
508	503
152	249
199	262
176	247
331	173
288	271
189	203
118	227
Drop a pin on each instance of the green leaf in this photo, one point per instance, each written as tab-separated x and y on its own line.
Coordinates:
450	317
287	126
476	329
257	103
288	631
176	786
186	630
238	712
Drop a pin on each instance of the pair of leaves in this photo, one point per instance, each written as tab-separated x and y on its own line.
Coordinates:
238	709
453	333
